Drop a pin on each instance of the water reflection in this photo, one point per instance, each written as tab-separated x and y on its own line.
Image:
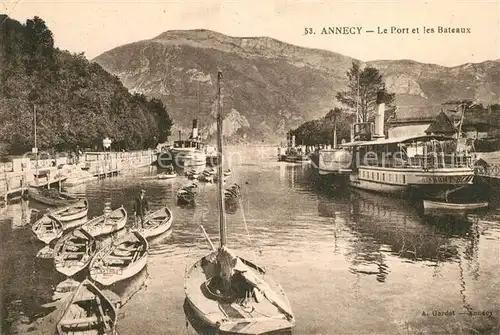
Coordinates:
393	223
302	231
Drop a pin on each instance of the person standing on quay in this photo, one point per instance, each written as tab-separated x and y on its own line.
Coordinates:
141	207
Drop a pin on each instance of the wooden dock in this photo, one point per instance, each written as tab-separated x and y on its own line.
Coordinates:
18	175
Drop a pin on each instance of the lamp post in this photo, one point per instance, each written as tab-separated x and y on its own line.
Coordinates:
106	143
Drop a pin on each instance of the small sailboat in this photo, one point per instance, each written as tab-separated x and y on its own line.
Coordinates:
47	228
120	260
88	312
74	251
157	223
229	293
107	223
73	212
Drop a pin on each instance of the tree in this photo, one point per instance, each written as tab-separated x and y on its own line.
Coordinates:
362	89
321	131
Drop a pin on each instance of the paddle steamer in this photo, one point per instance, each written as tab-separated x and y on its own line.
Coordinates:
432	166
190	153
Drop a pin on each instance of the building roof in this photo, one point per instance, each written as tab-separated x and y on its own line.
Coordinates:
412	114
441	125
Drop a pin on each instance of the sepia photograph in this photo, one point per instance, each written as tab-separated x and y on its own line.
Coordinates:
249	167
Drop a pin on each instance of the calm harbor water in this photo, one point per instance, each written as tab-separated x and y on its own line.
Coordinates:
351	262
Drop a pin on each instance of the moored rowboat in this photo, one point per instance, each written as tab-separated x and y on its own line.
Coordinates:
88	312
453	207
51	197
74	251
47	228
121	259
75	211
107	223
167	176
157	223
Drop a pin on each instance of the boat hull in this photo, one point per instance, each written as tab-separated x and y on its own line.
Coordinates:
188	158
160	229
101	226
107	279
35	195
107	275
70	266
373	186
72	313
60	215
297	159
409	182
167	176
45	235
446	208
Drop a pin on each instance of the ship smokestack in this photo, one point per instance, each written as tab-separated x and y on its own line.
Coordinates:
194	133
293	141
180	137
379	116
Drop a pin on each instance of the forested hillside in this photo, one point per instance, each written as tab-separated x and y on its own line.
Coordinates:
77	102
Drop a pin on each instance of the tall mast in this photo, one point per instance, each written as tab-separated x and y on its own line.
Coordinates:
36	147
198	98
357	95
222	217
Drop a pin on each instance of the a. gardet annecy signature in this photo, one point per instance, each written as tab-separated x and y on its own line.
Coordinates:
454	313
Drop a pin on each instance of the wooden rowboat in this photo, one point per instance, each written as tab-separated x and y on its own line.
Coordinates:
88	312
167	176
185	196
107	223
453	207
157	223
47	228
51	197
121	259
233	192
74	251
75	211
206	177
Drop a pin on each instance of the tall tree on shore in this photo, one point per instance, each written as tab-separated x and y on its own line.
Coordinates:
362	89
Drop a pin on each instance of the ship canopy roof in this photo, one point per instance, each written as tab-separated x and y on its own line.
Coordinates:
407	139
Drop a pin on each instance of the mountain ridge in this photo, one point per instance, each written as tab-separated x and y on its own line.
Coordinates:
290	84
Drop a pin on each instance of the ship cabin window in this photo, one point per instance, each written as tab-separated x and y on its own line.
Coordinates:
383	176
372	176
404	179
377	176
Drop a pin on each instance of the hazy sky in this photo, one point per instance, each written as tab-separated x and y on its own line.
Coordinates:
96	26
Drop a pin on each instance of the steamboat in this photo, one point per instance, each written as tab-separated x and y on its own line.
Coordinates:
430	166
188	153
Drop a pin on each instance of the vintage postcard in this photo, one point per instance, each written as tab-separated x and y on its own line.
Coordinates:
296	167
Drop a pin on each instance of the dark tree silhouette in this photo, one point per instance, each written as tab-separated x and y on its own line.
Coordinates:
362	89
